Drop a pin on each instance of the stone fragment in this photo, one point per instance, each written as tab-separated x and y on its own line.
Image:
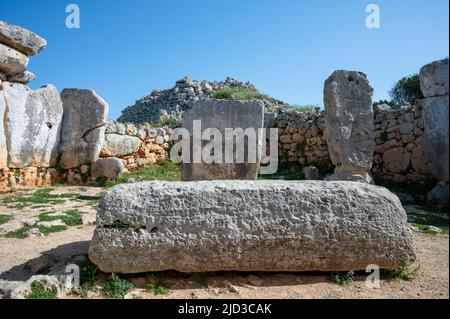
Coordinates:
311	173
24	77
349	130
397	160
83	129
107	168
12	61
32	125
116	145
439	196
249	226
27	42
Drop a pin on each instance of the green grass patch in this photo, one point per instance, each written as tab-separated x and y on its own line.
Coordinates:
166	171
39	291
44	196
304	108
285	172
405	272
158	287
116	287
20	233
342	278
236	93
88	277
4	218
201	279
167	122
51	229
70	218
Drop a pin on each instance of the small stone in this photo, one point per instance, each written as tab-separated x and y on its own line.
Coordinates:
29	221
311	173
254	280
139	282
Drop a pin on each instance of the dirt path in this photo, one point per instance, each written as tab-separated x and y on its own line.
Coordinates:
65	247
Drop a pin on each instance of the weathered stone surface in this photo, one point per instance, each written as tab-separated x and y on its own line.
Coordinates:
349	127
32	125
222	114
311	173
381	108
3	149
11	60
249	226
82	133
116	145
25	41
439	196
24	77
397	160
434	78
107	168
436	133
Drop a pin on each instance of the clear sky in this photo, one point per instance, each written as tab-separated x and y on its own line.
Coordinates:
124	49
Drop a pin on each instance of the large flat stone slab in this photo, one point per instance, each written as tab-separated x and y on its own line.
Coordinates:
32	125
12	61
221	115
249	226
24	40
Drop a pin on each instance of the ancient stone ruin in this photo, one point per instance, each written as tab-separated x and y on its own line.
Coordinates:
349	125
222	115
237	223
249	226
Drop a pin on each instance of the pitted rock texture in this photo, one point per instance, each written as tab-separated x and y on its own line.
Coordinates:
83	130
3	150
222	115
12	61
32	125
434	78
349	124
23	40
249	226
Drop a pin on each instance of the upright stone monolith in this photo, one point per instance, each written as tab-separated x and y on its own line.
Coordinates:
244	118
83	130
349	127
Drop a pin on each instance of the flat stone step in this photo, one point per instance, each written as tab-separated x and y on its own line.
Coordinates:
250	226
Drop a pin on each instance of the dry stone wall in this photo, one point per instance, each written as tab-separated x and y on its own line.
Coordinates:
399	152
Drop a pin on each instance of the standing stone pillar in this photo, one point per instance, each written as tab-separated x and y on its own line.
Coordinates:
349	129
434	87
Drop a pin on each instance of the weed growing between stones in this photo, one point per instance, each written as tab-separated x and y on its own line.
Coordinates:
166	171
88	277
405	272
158	287
39	291
4	218
342	278
202	280
116	287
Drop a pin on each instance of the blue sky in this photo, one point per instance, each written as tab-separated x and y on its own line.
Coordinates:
124	49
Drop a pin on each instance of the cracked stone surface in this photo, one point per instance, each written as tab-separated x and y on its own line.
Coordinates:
249	226
82	134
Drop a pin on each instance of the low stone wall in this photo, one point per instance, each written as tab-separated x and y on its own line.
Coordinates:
136	145
301	138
